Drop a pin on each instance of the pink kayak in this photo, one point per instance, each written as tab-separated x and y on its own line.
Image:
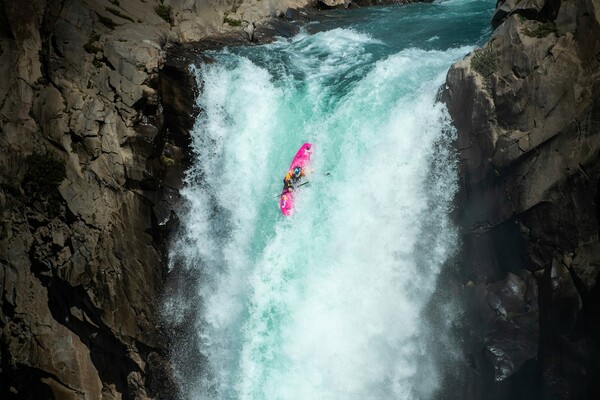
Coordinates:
301	159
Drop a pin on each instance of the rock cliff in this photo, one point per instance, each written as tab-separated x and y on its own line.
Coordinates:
527	110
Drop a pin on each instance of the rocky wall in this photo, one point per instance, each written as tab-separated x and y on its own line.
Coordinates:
80	177
527	108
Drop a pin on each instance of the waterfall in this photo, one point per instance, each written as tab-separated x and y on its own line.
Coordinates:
328	303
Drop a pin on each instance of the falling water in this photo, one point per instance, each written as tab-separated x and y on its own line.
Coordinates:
328	303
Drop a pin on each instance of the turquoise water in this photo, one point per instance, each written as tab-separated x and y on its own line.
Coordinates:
328	303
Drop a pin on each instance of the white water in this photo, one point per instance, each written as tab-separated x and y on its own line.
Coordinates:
327	304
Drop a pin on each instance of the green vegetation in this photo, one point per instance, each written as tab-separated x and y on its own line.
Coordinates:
109	23
164	12
540	30
119	14
90	47
484	62
44	174
167	161
231	21
97	63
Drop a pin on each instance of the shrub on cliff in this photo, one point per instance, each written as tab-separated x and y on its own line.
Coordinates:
540	30
231	21
484	62
164	12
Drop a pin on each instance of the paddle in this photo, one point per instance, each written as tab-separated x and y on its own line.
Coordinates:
302	184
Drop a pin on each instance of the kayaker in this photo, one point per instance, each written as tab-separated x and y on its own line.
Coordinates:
292	178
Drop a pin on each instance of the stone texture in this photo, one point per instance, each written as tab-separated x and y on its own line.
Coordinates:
530	178
80	283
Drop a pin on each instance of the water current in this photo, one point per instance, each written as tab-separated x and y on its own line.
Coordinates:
328	303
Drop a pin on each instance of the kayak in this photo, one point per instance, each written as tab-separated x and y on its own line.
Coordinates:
301	159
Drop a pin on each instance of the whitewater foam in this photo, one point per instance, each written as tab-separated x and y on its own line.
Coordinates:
329	303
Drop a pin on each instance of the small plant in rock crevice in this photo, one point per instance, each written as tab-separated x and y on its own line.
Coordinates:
484	62
164	12
231	21
540	30
167	161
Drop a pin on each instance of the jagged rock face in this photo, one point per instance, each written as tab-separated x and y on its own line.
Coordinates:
527	110
80	267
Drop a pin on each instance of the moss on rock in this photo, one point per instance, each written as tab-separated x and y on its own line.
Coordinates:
540	30
484	62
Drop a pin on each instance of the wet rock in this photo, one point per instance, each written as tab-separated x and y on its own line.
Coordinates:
585	264
177	100
514	337
329	4
166	207
292	13
249	29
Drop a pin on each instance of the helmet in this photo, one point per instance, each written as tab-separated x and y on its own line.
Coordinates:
297	171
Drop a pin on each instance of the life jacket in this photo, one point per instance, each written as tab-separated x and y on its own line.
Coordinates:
288	181
293	177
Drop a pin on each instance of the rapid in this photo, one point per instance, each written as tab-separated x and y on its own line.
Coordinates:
330	302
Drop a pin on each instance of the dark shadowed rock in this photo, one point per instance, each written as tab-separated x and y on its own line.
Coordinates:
79	255
528	138
514	337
